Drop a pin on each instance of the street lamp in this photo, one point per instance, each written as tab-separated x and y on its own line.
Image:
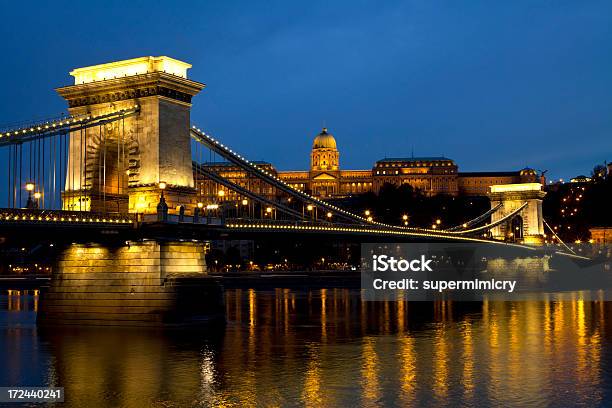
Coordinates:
367	213
329	215
196	212
245	201
29	188
221	193
309	207
438	221
162	207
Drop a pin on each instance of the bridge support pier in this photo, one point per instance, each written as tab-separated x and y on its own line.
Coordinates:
146	283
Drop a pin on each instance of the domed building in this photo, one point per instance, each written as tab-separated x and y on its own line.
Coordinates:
324	155
324	165
432	175
325	179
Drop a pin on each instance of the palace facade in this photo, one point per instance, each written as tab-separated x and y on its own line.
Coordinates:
325	178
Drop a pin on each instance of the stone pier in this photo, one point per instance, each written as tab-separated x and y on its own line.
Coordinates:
135	283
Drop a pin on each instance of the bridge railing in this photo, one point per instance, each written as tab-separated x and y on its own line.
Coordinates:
31	216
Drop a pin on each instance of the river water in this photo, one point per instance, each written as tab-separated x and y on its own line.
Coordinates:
324	348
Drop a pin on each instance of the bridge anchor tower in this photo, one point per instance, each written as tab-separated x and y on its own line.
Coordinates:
528	225
117	167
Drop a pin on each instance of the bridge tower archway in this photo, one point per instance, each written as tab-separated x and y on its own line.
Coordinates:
147	148
528	225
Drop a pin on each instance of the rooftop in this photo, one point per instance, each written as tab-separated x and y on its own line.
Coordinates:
130	67
413	159
488	173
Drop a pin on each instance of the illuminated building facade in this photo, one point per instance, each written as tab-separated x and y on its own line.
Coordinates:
325	178
431	175
208	189
601	235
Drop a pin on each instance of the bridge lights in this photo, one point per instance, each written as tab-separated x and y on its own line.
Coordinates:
30	204
162	207
367	213
329	215
370	219
438	221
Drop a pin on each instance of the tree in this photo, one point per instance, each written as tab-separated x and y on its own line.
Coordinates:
599	172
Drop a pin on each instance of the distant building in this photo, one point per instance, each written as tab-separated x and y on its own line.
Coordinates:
431	175
601	235
325	178
580	179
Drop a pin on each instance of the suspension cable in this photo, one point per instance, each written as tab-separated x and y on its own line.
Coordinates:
559	239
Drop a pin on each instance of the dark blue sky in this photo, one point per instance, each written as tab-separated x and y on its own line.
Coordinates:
493	85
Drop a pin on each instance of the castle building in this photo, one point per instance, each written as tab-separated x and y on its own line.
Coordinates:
326	179
431	175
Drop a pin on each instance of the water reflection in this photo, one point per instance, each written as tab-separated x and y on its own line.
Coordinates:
325	348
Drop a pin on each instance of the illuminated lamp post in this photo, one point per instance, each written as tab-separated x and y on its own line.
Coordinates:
29	188
245	211
196	213
37	196
162	207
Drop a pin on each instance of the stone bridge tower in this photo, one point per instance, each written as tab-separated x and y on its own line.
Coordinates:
118	166
528	225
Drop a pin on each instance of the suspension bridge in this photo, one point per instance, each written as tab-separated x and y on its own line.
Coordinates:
84	170
59	174
125	182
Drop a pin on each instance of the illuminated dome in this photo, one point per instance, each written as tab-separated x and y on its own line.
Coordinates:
324	140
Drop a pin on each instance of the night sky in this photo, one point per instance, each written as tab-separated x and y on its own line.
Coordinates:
493	85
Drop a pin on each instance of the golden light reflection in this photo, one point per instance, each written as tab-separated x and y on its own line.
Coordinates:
511	354
467	377
400	316
312	395
408	369
440	362
369	372
323	314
